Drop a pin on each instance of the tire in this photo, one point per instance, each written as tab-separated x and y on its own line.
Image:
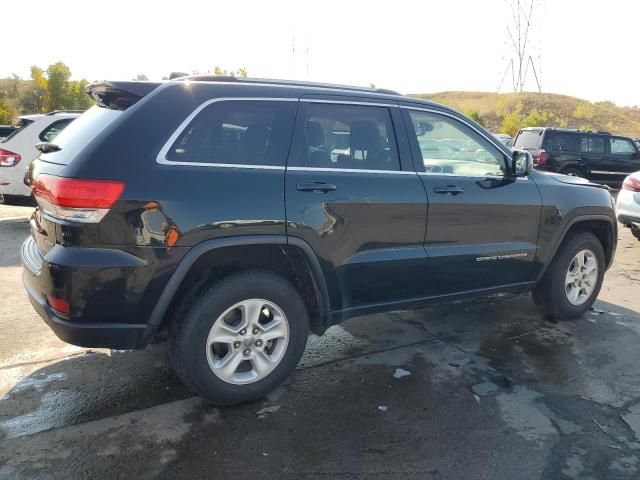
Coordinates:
574	171
200	364
551	294
635	231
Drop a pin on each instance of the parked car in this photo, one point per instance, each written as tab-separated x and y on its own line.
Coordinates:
628	204
597	156
212	208
504	138
6	130
18	149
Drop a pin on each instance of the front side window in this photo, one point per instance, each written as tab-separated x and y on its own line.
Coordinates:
621	146
54	129
237	132
592	145
349	137
449	146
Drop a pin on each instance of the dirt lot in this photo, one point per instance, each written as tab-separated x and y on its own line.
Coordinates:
483	389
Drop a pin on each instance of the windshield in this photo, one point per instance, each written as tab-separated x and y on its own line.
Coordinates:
528	139
79	133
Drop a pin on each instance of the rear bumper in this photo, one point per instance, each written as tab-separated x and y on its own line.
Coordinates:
12	181
95	335
99	315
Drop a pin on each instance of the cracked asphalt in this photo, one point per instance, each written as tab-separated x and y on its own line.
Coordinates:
493	392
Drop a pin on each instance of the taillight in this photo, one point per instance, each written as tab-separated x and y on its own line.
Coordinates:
8	158
74	199
542	157
631	183
59	305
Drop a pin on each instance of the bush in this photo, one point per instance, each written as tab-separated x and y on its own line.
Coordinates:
511	123
584	111
475	116
5	114
535	119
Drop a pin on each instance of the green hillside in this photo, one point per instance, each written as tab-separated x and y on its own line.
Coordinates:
506	112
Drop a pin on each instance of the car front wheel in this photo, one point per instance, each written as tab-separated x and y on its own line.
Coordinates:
239	338
574	278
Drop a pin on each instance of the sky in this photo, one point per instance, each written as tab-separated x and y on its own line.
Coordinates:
587	49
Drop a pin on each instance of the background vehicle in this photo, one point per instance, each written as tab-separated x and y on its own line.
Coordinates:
18	149
504	138
628	204
597	156
225	211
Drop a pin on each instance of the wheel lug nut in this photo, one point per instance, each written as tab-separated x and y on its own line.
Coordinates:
255	331
246	352
243	332
236	344
258	343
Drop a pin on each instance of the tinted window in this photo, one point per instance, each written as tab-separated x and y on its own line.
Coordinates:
528	139
54	129
592	145
449	146
621	146
350	137
237	133
80	132
562	142
24	122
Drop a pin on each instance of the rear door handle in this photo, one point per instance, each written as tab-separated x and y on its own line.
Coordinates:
317	187
449	189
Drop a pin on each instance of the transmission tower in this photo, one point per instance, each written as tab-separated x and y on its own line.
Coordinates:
518	32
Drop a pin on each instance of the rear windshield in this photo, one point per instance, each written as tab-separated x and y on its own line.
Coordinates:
79	133
21	126
528	139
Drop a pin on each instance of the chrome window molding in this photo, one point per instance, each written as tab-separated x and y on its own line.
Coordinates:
480	177
161	158
349	102
349	170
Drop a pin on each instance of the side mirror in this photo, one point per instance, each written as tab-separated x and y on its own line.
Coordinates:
521	163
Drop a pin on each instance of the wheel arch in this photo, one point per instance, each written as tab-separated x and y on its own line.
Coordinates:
602	226
292	258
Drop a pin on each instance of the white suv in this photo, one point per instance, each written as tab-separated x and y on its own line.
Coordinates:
18	150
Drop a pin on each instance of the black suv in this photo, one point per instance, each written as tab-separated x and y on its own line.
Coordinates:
238	215
598	156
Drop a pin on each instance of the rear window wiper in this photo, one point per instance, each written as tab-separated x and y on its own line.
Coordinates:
47	147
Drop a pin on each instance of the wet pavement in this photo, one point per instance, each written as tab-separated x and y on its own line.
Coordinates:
480	389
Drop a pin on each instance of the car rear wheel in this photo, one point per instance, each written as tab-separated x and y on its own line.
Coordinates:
574	278
635	231
239	338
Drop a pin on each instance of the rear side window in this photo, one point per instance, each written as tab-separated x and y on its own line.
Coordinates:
237	132
562	142
528	139
592	144
349	137
621	146
54	129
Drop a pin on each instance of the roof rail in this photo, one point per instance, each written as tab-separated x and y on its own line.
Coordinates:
292	83
53	112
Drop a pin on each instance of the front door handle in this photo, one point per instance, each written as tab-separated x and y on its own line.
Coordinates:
449	189
316	187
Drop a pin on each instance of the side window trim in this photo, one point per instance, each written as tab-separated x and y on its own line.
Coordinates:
45	130
417	160
162	159
297	143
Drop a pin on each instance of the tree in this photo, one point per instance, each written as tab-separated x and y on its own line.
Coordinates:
38	96
77	98
511	123
58	76
535	119
583	111
5	113
141	77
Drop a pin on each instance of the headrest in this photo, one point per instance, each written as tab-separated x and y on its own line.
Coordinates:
256	137
365	136
315	134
